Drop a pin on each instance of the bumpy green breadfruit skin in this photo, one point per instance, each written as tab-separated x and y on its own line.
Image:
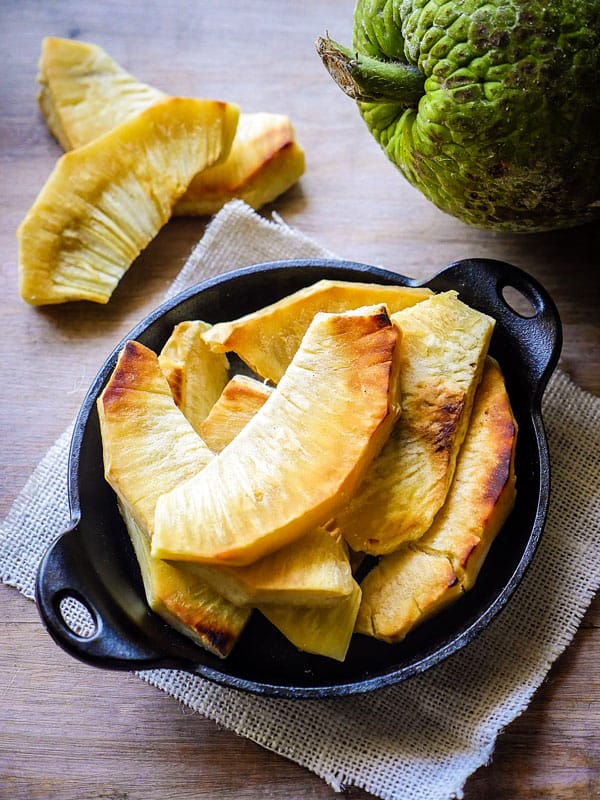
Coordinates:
507	133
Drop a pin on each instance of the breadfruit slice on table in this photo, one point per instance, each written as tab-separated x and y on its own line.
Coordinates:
196	375
408	586
84	93
148	447
301	455
267	339
442	350
104	202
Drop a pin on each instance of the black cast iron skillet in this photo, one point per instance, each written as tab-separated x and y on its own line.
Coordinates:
93	561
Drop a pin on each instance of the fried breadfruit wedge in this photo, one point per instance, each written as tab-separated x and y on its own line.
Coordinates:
195	374
408	586
403	590
239	401
321	631
104	202
442	352
483	491
148	447
313	570
302	454
183	600
267	339
84	93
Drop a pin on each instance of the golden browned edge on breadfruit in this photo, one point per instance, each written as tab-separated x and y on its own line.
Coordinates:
84	93
442	351
267	339
148	447
104	202
196	375
183	600
410	585
301	455
483	491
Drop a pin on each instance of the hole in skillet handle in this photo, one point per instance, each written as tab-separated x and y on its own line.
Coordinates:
80	615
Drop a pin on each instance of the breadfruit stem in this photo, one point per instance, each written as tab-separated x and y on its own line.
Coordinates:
368	79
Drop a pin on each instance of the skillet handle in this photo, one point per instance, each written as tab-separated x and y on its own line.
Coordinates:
482	283
104	641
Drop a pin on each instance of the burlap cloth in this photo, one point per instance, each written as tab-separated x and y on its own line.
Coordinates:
421	739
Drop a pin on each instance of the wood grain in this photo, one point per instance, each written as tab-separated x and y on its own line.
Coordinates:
70	732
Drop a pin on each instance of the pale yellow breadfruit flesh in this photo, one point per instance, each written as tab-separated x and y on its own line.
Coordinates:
267	339
404	589
84	93
313	570
483	491
148	445
239	401
184	601
195	374
302	454
321	631
442	352
104	202
265	160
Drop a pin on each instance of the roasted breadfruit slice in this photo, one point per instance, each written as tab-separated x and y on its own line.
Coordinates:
404	589
195	374
104	202
264	161
184	601
267	339
148	445
322	631
300	456
238	403
84	93
408	586
313	570
442	352
483	491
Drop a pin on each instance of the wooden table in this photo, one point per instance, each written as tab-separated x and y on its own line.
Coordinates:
68	731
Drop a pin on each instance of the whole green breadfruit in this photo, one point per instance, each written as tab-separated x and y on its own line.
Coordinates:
490	107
